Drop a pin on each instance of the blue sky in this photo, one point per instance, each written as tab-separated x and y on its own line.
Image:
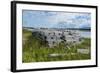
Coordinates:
53	19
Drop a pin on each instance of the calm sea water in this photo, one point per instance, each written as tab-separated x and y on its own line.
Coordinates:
85	34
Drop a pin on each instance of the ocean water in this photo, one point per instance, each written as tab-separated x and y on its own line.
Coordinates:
85	34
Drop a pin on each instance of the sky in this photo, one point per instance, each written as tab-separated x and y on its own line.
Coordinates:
55	19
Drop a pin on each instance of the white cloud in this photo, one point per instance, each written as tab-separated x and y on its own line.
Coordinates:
71	19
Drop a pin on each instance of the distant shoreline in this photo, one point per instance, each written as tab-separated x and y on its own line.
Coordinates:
85	29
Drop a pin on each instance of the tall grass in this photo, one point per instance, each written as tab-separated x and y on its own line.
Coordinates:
36	50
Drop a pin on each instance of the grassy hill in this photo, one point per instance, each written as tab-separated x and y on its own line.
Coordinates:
36	50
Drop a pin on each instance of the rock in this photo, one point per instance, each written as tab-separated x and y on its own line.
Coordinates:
83	51
56	55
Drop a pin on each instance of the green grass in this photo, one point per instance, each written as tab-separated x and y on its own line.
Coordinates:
36	50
